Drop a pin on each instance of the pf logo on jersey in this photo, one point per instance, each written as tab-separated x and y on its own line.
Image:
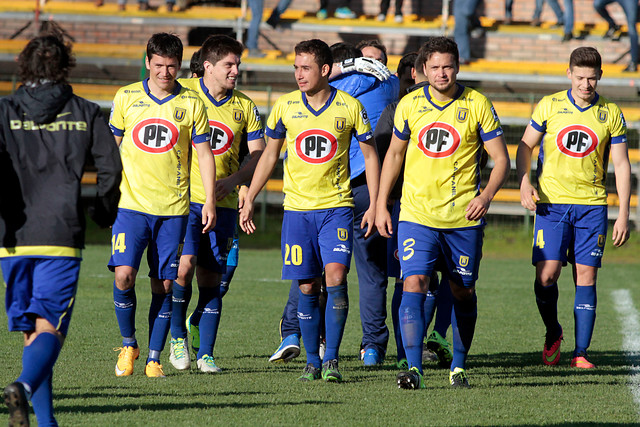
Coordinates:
438	140
155	135
316	146
221	137
577	141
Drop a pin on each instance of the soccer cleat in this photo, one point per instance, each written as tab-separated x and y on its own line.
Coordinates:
372	357
551	355
127	355
179	354
154	370
330	371
581	361
458	378
194	331
15	397
310	373
344	13
410	380
441	347
428	355
207	364
402	364
289	349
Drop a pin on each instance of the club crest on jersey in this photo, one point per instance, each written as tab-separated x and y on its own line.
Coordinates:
238	115
340	123
179	114
155	135
461	114
464	261
602	115
577	141
343	234
316	146
601	239
438	140
221	137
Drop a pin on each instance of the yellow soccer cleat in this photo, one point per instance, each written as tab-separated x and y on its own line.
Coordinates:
127	355
154	370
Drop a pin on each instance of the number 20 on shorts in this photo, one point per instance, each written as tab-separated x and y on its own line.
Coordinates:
292	254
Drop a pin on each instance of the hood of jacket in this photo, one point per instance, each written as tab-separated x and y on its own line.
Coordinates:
42	103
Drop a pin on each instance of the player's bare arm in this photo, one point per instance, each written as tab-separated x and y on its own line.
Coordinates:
372	171
528	194
261	175
390	171
118	140
208	173
622	169
226	185
479	206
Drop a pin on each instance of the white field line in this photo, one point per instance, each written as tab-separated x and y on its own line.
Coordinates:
630	323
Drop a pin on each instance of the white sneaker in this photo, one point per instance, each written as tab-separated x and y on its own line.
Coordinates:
207	364
398	19
381	17
179	354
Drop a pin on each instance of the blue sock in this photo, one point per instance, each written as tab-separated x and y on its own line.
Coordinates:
309	318
429	309
584	314
395	311
226	280
42	402
289	324
547	301
38	359
463	321
444	307
125	303
159	323
335	319
209	320
180	303
412	326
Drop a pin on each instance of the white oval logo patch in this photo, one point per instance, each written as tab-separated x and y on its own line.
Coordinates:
316	146
438	140
577	141
155	135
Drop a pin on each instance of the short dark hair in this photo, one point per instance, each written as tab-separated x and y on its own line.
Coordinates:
165	45
408	61
437	45
585	57
319	49
217	46
45	58
195	65
374	43
341	51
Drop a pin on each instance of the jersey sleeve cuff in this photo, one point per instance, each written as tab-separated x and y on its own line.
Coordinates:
256	134
199	139
272	133
488	136
540	128
619	139
115	131
365	136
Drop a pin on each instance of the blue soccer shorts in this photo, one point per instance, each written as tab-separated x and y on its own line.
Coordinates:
393	262
162	236
420	248
312	239
574	233
40	287
213	247
234	253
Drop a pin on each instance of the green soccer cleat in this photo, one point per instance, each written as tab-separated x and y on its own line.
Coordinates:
441	347
458	378
402	364
410	380
310	373
330	371
194	331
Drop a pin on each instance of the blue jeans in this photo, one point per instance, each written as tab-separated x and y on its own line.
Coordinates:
463	12
254	26
568	16
280	8
630	8
555	6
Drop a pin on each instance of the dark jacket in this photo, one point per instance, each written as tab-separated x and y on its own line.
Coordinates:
47	135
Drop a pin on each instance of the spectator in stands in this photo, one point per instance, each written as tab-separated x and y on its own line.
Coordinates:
630	8
568	21
143	5
342	11
555	6
466	20
384	7
274	19
373	49
253	32
508	12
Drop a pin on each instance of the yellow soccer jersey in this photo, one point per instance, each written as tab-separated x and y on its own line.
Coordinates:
442	172
228	119
156	147
316	164
572	164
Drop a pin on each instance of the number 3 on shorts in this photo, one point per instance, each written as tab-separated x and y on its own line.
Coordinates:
408	249
539	239
118	243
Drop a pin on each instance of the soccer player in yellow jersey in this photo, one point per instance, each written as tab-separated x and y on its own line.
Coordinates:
317	122
230	113
154	123
577	129
442	128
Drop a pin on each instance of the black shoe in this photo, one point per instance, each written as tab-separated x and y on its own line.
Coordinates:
535	22
631	68
16	400
273	21
567	37
611	32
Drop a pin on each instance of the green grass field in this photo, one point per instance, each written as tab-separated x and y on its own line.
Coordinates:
510	386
